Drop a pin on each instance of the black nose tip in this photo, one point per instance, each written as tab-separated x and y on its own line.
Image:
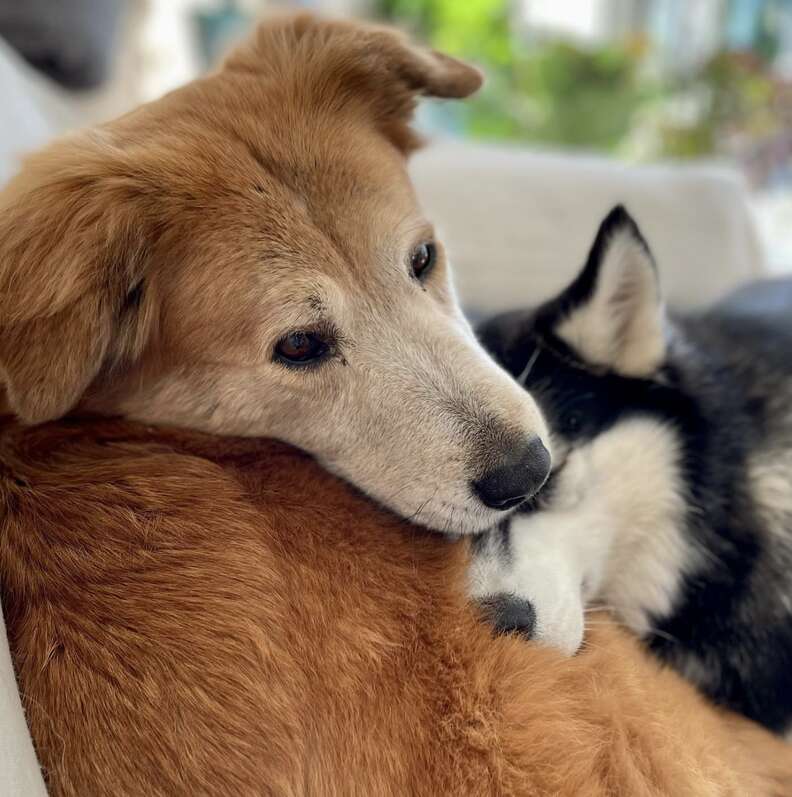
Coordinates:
509	614
518	476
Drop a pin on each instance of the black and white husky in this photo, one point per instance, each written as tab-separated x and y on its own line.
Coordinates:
671	496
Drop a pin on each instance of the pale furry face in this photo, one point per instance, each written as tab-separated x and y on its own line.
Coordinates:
264	269
611	534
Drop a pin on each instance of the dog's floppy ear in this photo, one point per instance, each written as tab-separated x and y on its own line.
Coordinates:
72	257
339	65
612	314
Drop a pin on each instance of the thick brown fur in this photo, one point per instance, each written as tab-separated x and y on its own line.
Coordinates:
191	615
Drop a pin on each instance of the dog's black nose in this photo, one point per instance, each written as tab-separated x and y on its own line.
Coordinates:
509	614
518	476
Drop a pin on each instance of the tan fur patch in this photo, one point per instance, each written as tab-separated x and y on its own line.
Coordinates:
648	554
621	325
770	473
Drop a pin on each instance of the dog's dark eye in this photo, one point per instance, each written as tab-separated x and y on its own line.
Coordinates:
300	348
422	259
572	422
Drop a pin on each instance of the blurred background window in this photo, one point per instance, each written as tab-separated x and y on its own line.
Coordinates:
640	80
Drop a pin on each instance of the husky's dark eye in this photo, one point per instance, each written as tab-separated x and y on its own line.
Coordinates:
422	259
301	348
572	422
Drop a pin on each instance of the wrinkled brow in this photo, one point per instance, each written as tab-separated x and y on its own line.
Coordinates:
416	230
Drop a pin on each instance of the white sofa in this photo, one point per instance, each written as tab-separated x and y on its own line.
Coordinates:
518	225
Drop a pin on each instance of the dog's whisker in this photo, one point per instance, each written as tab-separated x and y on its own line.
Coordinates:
423	505
600	607
615	621
529	367
390	499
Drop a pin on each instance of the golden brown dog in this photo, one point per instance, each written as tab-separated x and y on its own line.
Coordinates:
191	615
246	256
194	616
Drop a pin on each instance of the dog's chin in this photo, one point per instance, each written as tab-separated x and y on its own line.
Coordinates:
465	518
460	520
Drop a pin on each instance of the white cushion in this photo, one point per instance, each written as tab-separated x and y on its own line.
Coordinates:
24	125
19	771
518	224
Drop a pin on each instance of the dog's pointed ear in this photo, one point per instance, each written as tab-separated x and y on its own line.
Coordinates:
72	291
612	314
340	65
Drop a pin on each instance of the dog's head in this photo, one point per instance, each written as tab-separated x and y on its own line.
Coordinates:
246	256
609	525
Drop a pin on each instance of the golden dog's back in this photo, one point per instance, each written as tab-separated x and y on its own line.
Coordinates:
190	615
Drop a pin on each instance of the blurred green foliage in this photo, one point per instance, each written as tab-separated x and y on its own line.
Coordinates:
477	29
579	97
556	92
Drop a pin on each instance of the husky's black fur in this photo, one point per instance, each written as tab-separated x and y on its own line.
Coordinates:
725	388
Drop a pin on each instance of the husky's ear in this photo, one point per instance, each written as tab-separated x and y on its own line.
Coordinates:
72	259
340	65
612	314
